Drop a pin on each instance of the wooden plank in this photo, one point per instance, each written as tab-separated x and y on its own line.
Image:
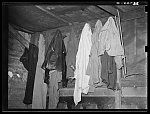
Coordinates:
22	29
48	12
111	10
19	37
133	15
104	92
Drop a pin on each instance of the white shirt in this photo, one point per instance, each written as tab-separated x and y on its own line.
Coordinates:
82	59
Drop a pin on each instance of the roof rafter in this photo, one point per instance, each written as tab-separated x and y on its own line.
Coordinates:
109	9
48	12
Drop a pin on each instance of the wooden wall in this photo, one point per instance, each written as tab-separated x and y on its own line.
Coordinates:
16	85
134	37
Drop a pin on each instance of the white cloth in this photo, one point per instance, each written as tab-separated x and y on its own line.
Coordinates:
109	41
82	59
40	88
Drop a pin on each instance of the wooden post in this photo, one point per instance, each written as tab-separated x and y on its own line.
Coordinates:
118	92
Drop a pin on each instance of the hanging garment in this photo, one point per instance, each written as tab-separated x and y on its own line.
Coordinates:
108	71
53	55
24	59
72	48
109	40
40	88
82	59
29	60
55	77
64	66
94	66
56	56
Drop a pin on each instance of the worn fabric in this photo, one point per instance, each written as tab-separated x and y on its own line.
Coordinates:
94	66
24	59
72	48
82	59
29	60
54	53
108	71
55	77
46	78
64	66
110	39
40	88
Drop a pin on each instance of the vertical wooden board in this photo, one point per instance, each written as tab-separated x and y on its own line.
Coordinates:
141	42
128	31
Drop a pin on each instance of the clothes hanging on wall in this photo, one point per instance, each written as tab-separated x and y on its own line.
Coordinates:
94	66
55	56
108	71
72	48
40	88
82	59
55	77
109	41
64	66
29	60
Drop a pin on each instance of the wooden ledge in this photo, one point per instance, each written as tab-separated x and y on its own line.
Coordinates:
104	92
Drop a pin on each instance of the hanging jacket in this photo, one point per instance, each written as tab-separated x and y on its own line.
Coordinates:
54	53
94	66
109	41
82	59
29	60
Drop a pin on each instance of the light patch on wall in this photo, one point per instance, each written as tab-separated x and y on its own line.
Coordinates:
10	74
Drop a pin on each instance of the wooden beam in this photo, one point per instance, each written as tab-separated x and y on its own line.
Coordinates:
109	9
18	36
104	92
22	29
48	12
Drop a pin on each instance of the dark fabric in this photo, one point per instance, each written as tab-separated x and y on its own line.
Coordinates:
64	66
53	54
56	57
108	71
29	60
46	79
24	59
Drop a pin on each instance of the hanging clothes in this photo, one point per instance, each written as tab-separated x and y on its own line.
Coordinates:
109	41
82	59
108	71
94	66
55	77
64	66
29	60
72	48
40	88
53	55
